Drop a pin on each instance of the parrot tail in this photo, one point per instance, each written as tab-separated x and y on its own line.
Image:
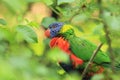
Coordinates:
69	69
116	67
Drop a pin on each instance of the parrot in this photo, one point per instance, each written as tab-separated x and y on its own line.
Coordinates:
79	49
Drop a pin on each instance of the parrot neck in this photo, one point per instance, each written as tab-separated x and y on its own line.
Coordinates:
67	31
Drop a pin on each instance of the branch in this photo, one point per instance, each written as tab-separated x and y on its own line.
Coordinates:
109	46
91	59
106	30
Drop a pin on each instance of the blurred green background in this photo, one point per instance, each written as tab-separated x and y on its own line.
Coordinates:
24	50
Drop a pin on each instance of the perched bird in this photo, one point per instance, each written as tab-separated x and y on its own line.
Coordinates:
79	49
65	46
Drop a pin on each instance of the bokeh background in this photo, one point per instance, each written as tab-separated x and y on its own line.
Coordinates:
24	49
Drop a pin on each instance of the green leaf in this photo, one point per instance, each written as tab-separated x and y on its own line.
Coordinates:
3	22
59	2
27	32
47	21
33	24
55	54
98	77
61	72
48	2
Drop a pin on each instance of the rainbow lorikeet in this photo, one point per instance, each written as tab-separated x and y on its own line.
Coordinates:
79	49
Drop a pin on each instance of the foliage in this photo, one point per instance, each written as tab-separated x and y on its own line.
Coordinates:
24	55
28	34
46	21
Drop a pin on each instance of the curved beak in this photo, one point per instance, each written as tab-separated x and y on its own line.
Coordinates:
47	33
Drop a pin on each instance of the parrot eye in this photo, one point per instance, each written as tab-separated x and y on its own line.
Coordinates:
53	26
50	27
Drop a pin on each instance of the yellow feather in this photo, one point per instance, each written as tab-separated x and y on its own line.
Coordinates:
65	28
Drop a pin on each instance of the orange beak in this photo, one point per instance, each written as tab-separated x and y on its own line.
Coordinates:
47	33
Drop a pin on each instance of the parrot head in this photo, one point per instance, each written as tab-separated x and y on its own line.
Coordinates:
53	29
58	28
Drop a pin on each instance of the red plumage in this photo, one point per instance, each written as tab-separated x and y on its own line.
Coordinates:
65	46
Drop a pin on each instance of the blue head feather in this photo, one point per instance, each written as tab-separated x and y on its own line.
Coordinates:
55	28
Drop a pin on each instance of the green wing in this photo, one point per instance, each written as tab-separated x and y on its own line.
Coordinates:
84	49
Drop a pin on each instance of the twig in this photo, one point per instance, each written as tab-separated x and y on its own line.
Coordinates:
91	60
73	16
59	14
76	13
96	18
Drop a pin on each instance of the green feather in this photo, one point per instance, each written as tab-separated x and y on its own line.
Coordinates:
83	48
